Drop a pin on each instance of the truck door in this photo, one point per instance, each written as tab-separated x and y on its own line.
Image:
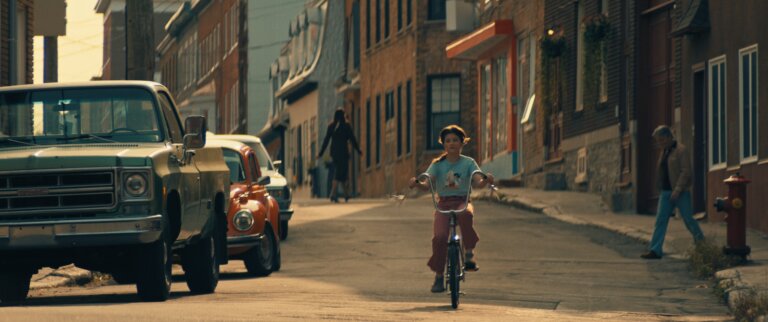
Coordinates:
185	177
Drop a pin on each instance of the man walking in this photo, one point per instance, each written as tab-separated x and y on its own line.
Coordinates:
674	181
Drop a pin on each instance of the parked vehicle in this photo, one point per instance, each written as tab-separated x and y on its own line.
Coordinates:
103	175
278	187
253	216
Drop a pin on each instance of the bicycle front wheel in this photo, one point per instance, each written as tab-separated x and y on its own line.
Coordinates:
454	274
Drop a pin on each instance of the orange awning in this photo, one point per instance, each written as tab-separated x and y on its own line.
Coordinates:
474	45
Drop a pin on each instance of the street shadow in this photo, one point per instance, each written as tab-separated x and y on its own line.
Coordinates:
426	309
87	300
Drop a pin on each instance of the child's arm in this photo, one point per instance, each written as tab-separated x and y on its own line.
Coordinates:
415	183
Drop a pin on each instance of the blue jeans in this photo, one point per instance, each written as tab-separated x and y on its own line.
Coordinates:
664	211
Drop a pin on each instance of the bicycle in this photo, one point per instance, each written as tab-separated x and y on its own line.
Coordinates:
455	264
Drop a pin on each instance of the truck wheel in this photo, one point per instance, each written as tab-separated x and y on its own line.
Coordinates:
200	265
277	263
283	229
153	264
14	285
259	260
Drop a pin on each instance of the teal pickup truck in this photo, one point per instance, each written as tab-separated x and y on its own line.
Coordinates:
104	175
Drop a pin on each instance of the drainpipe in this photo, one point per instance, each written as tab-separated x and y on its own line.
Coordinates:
14	43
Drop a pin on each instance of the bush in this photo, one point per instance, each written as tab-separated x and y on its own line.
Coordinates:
749	305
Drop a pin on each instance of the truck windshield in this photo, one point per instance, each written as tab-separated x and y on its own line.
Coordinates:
92	115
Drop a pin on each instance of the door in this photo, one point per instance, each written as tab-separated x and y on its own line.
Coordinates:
654	98
699	140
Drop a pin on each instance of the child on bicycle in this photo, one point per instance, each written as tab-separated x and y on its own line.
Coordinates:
450	174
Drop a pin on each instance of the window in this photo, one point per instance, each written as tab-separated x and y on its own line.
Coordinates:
436	10
389	105
378	129
409	12
386	19
368	24
717	116
443	105
172	120
356	35
235	164
500	99
604	68
378	20
399	15
399	120
368	133
254	167
748	102
408	117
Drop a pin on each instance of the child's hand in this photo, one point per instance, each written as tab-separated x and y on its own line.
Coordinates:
412	182
490	179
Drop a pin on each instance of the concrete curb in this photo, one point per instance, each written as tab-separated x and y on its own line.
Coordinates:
63	276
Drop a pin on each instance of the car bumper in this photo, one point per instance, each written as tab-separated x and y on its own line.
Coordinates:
244	241
286	214
80	233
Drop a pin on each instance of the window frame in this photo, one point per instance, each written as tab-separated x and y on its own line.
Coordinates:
754	109
722	163
432	141
430	14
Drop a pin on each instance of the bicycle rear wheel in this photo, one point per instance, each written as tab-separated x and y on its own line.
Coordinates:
454	271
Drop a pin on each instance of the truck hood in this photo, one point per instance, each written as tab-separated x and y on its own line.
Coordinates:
276	179
78	156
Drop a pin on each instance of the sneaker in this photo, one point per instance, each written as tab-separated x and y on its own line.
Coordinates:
469	263
700	216
439	285
650	255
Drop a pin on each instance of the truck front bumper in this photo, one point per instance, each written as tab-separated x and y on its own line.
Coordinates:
286	214
80	232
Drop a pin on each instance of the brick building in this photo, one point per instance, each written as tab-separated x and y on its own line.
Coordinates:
504	48
16	56
597	140
717	95
409	90
114	64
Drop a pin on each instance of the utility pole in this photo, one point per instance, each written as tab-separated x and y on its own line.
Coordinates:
140	41
51	59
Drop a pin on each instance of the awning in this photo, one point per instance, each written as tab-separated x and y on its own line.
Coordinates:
474	45
696	19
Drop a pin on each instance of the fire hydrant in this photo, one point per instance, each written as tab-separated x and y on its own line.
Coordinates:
735	206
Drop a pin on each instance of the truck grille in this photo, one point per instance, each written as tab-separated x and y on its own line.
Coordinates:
57	192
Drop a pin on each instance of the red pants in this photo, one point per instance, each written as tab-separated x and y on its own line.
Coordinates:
442	229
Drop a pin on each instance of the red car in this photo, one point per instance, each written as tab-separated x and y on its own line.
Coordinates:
253	216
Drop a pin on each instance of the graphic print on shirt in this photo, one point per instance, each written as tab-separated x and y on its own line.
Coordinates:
452	180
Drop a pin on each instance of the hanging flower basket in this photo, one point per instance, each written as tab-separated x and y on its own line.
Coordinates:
596	28
553	46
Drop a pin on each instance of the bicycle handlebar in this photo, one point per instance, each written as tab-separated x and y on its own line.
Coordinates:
426	177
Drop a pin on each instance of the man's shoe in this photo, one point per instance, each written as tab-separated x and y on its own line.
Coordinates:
439	285
650	255
700	216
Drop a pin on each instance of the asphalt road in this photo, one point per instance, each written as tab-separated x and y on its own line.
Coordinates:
366	260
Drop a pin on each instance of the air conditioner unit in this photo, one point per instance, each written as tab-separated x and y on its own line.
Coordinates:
459	15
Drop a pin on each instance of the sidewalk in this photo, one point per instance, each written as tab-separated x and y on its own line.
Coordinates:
587	209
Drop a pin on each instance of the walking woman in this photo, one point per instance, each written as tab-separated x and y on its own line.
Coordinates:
339	133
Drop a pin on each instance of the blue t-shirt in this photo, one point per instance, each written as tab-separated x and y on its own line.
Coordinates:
453	179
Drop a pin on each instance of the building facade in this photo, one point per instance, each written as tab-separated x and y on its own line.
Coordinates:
409	90
504	48
114	63
16	45
718	98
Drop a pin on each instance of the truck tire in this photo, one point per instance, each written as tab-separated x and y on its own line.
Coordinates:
201	267
283	229
14	285
259	260
153	266
123	277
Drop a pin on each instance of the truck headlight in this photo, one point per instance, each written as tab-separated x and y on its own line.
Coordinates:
243	220
136	185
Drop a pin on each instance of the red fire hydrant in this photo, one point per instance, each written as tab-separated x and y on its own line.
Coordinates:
735	206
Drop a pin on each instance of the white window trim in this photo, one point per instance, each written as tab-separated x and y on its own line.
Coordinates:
746	52
722	165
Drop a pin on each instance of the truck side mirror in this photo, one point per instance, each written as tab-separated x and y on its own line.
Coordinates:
195	132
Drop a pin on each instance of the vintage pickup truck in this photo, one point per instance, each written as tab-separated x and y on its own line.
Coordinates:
103	175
